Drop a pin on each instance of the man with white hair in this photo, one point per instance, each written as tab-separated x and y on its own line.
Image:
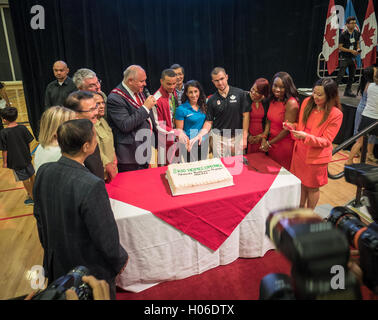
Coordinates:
86	80
131	119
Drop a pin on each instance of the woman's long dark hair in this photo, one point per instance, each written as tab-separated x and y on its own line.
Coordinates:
290	88
202	97
367	77
332	99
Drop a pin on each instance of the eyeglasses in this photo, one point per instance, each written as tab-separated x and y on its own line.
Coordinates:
90	110
94	85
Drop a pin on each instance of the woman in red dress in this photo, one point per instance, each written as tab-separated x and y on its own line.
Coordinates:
257	130
283	107
319	122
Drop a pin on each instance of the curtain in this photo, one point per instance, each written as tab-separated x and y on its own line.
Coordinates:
249	38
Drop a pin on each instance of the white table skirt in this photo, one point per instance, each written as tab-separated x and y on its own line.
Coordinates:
159	252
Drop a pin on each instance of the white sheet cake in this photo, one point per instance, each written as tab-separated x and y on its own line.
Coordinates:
204	175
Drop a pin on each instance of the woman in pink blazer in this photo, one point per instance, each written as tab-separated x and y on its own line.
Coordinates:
319	122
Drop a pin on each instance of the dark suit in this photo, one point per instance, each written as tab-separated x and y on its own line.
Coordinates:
94	163
126	120
76	225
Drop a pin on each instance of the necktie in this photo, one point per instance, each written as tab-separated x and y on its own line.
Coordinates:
138	99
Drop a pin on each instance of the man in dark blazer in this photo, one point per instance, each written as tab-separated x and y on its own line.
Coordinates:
130	117
76	225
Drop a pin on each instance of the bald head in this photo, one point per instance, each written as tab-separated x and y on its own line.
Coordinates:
135	78
60	70
60	64
132	71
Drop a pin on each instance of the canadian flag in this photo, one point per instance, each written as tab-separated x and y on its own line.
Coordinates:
331	39
368	41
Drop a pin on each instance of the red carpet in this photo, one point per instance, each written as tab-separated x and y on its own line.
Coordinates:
239	280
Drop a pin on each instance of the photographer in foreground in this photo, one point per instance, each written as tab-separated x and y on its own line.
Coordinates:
76	225
100	290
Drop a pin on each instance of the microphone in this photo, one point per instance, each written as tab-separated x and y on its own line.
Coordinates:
146	92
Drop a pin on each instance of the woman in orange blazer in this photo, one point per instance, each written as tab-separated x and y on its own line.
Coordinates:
319	122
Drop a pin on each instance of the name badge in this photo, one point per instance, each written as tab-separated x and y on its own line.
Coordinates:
352	40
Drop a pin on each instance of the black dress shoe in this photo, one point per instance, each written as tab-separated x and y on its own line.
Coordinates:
349	94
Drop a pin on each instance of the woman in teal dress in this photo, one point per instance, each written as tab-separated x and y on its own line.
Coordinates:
190	117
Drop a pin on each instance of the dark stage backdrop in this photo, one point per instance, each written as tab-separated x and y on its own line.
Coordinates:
250	38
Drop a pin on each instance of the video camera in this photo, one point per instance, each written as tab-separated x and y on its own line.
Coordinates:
72	280
314	248
319	250
361	236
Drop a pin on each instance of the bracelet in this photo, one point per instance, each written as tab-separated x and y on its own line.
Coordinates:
263	136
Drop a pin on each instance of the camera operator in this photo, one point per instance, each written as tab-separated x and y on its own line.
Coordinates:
76	225
100	290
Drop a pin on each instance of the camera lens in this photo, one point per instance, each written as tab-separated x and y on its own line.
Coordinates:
83	290
348	222
80	270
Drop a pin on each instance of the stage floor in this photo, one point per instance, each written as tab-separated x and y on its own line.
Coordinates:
349	101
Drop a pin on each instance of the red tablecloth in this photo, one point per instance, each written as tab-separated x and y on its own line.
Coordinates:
210	216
